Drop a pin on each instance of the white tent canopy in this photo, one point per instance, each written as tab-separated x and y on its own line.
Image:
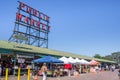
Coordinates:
64	59
82	61
77	60
71	60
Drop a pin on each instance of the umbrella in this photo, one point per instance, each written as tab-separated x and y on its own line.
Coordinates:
48	59
93	62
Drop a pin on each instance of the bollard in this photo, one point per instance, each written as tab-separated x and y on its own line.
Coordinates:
18	73
28	73
6	78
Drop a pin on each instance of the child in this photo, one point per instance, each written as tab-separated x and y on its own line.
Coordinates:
119	73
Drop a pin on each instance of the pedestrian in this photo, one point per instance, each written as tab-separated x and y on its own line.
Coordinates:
119	73
107	68
36	76
44	71
113	68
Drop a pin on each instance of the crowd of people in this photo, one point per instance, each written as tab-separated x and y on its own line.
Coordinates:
43	70
58	69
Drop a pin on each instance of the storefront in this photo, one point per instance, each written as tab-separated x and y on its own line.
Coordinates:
14	55
13	59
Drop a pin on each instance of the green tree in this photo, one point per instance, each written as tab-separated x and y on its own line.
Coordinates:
106	58
97	56
101	57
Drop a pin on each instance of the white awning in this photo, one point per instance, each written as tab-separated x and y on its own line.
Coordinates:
64	59
82	61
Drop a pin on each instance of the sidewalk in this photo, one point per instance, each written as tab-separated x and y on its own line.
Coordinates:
106	75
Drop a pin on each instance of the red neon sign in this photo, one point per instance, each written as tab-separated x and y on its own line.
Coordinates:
30	21
34	12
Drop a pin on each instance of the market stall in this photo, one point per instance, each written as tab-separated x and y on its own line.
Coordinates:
49	60
94	66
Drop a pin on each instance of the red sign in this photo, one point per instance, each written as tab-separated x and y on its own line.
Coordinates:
30	21
33	11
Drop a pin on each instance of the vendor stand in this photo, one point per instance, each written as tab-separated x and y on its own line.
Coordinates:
49	60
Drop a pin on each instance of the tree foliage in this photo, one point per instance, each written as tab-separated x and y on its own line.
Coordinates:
97	56
102	57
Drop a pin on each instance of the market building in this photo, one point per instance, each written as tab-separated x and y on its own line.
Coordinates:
14	54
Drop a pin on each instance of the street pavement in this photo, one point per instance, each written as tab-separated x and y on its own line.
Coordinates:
105	75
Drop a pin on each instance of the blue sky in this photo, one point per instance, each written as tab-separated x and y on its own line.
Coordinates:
85	27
